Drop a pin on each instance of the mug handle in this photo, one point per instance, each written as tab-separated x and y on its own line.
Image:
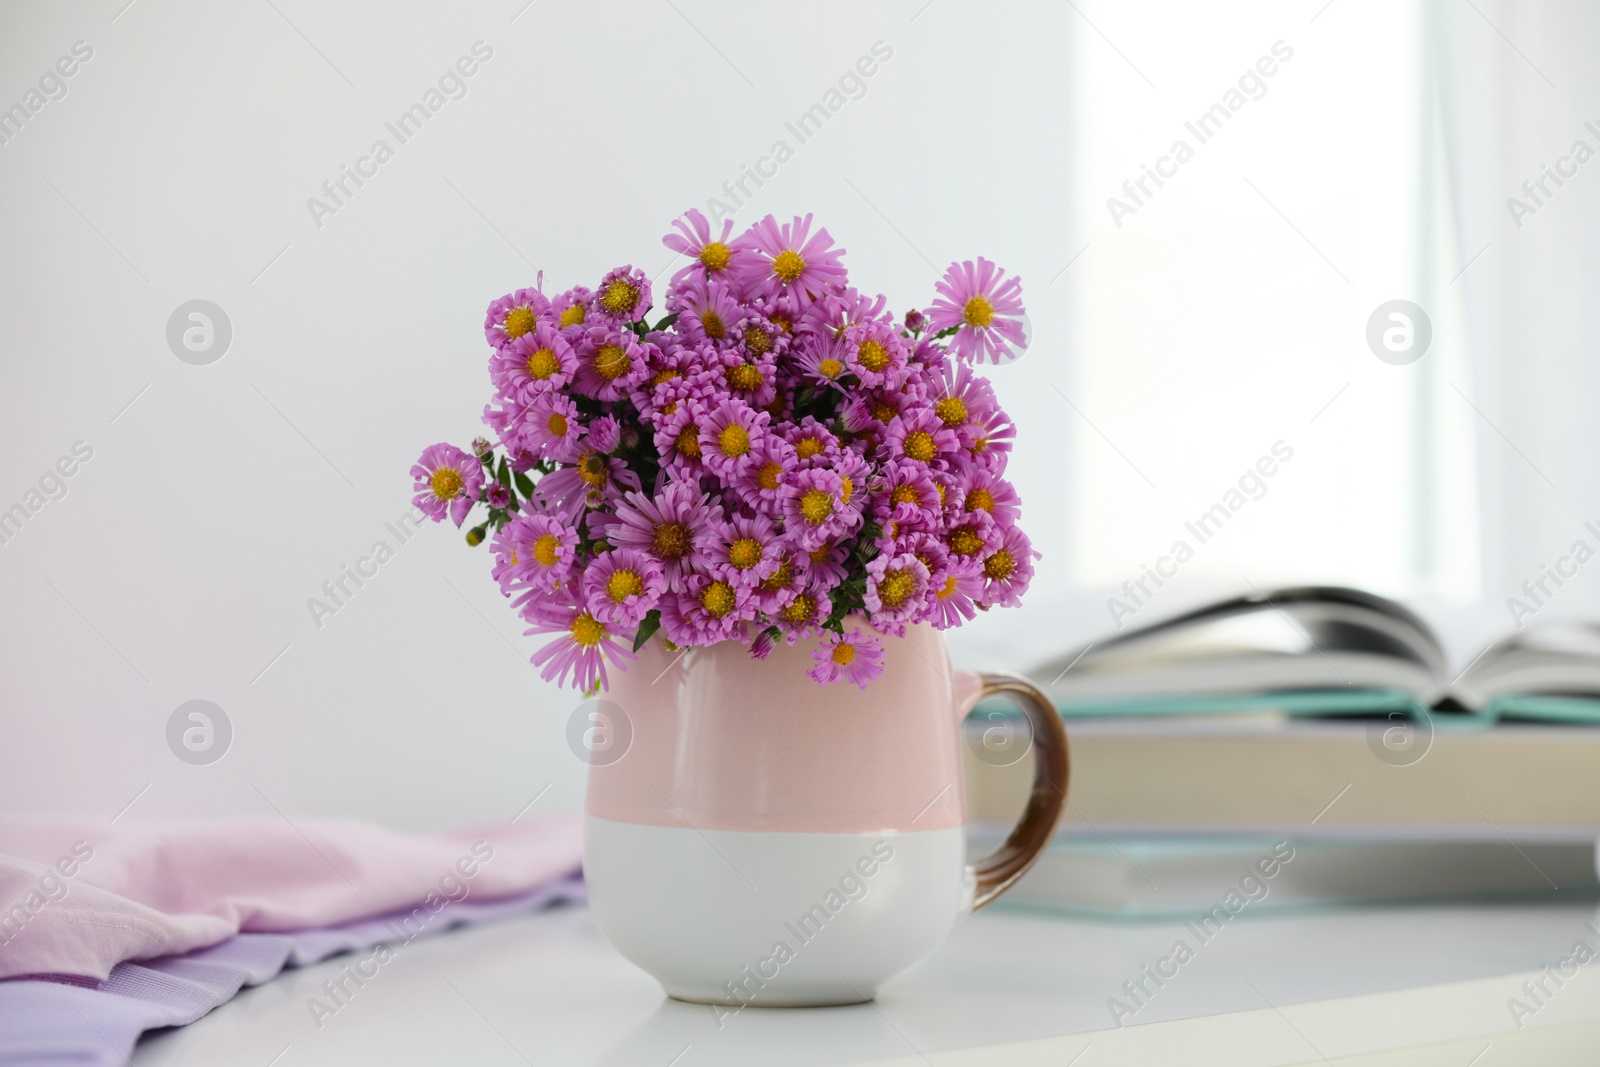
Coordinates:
998	871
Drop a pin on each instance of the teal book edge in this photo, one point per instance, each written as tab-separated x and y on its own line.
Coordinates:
1323	703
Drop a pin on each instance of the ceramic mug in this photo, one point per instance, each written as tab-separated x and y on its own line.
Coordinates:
753	838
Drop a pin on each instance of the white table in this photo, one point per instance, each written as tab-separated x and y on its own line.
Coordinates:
1271	989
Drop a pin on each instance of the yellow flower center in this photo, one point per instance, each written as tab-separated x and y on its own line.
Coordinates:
884	412
689	442
895	587
951	411
611	362
715	256
672	540
767	477
808	447
979	312
744	553
734	440
782	578
782	322
800	610
620	296
816	506
905	494
745	378
948	588
1000	565
846	487
664	376
980	500
711	323
587	630
622	585
558	424
938	487
830	368
519	321
573	316
757	341
787	265
873	356
593	470
545	549
446	483
919	446
543	364
717	599
819	554
844	653
966	542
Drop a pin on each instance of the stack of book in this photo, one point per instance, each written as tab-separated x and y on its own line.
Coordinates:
1321	724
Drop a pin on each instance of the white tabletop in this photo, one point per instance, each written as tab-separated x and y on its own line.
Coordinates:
1273	989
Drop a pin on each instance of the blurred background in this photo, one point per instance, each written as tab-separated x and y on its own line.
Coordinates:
1191	311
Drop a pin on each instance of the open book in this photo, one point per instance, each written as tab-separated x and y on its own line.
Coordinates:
1325	650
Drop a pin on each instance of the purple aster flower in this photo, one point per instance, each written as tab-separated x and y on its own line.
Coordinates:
678	528
583	647
515	315
915	321
610	363
706	310
535	362
802	613
592	481
962	400
761	484
897	592
713	254
623	296
847	658
622	585
677	440
728	435
868	412
985	307
747	551
917	434
972	537
534	552
708	611
907	496
816	508
875	353
551	427
448	482
813	443
752	380
789	260
773	591
1007	568
571	310
983	490
823	566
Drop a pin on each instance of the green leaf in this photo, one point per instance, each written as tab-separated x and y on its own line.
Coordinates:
524	484
647	629
667	322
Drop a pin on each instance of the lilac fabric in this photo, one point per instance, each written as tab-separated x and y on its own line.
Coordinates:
57	1021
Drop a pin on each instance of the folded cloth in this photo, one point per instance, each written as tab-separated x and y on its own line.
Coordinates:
78	897
95	1024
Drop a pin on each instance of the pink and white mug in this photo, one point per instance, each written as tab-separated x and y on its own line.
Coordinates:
765	841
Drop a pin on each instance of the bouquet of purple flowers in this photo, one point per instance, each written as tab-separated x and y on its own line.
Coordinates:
774	455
